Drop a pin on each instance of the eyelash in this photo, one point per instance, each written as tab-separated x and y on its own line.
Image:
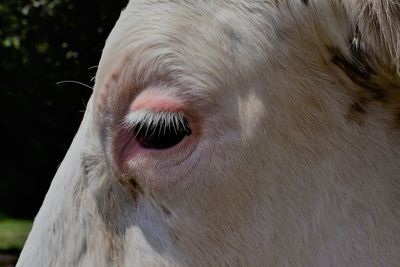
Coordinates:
149	123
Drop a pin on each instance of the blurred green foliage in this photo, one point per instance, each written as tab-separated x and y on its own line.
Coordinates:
13	233
41	43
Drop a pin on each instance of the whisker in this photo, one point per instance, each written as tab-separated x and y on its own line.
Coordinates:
76	82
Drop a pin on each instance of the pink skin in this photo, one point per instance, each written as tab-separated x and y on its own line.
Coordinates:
154	100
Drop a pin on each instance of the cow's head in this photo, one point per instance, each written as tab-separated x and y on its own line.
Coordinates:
234	133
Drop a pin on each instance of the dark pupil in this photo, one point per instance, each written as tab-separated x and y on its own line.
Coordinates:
161	136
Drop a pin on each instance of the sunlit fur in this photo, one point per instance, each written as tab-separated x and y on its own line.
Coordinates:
294	158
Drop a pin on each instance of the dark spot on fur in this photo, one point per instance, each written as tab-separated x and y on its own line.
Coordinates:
132	186
135	186
356	107
374	83
305	2
166	211
356	110
360	74
352	67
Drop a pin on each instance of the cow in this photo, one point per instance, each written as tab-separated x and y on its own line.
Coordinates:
234	133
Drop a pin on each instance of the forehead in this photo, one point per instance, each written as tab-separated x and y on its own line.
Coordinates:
198	36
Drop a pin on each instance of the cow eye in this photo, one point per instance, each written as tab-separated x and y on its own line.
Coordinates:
162	133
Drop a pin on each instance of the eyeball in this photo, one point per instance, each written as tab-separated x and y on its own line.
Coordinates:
161	130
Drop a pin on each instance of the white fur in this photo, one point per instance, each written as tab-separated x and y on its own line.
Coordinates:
280	174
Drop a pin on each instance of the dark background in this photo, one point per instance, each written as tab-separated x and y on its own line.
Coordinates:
41	43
